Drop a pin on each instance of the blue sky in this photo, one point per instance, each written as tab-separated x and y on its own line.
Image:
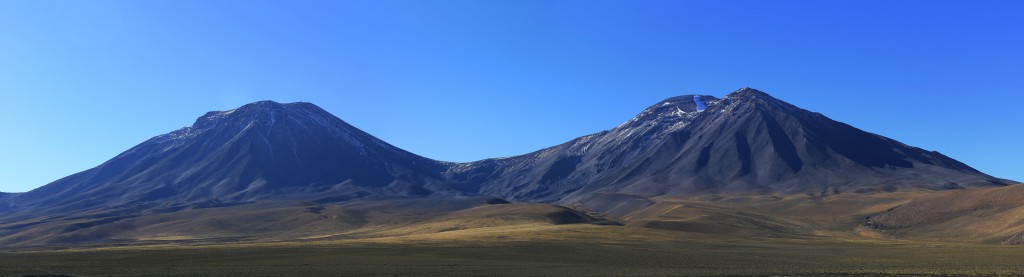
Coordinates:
81	81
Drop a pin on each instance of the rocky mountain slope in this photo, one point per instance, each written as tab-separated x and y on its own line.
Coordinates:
747	142
5	201
283	159
260	151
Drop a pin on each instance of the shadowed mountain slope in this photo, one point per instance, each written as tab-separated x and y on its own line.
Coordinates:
747	142
5	201
278	160
259	151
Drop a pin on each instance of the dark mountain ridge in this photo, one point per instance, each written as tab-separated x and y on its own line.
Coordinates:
747	142
4	204
263	150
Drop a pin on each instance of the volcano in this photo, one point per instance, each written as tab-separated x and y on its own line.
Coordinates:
745	143
259	151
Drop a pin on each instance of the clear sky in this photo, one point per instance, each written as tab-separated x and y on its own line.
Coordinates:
81	81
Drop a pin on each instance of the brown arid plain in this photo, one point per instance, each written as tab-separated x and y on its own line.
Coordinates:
957	232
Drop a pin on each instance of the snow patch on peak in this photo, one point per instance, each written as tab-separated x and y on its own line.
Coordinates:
678	112
700	104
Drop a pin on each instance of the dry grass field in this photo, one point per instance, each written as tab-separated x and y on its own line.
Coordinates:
532	250
718	235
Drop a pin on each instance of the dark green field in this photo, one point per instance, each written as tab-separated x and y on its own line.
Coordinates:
687	255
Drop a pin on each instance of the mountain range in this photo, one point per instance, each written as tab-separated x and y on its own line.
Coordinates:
747	143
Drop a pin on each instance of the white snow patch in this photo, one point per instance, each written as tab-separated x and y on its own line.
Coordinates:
700	104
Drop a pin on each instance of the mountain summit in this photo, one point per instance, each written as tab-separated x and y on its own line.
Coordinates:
262	150
746	142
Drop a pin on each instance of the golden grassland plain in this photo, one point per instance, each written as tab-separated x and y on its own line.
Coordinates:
716	235
532	250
